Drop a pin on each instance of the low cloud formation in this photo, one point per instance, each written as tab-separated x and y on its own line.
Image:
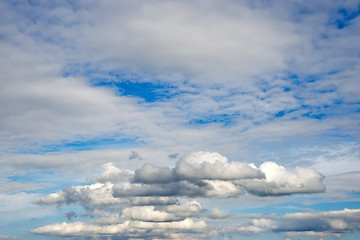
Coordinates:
114	174
279	181
88	195
204	174
128	229
320	223
145	203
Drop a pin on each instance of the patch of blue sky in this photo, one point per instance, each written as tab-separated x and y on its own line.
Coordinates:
314	204
124	83
20	228
344	17
147	91
224	119
92	144
47	181
335	205
31	176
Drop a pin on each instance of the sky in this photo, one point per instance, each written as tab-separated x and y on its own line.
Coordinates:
166	119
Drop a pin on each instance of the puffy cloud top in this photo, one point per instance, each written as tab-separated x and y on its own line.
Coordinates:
148	207
278	181
213	166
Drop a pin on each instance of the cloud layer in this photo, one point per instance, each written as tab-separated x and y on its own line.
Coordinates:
148	196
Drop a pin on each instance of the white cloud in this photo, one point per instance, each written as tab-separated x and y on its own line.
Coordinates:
95	194
169	213
213	166
149	210
210	174
243	78
113	174
127	229
218	214
257	226
278	181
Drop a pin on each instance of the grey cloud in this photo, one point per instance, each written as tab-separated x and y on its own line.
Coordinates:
135	156
196	167
152	174
325	223
201	174
88	195
155	201
70	215
204	188
173	156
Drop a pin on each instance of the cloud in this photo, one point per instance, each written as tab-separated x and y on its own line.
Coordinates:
320	223
153	174
278	181
135	156
70	215
206	188
256	226
248	79
152	181
146	207
114	174
210	174
145	201
88	195
218	214
169	213
173	155
128	229
213	166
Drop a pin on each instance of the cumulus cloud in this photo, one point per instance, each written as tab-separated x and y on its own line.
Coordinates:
144	202
95	194
153	174
114	174
256	226
210	174
206	188
278	181
167	214
213	166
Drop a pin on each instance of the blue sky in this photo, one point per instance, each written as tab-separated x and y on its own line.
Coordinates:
179	119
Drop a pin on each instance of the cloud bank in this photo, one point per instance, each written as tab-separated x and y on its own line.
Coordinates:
147	198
